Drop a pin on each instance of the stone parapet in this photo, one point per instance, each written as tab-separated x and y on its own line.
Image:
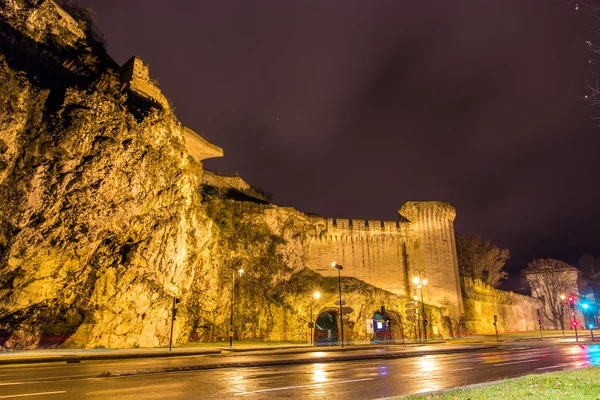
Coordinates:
136	75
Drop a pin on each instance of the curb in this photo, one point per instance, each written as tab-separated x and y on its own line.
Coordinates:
97	357
147	371
223	351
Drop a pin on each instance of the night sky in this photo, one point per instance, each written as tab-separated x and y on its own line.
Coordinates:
351	108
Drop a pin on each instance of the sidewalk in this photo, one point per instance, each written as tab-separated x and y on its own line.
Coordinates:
74	356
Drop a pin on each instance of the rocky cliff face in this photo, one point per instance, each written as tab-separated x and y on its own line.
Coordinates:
102	220
100	217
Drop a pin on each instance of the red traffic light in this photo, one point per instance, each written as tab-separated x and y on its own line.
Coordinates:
571	299
574	323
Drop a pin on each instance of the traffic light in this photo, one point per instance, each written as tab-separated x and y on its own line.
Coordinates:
571	302
585	305
574	323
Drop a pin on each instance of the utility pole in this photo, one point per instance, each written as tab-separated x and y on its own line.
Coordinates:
340	268
173	317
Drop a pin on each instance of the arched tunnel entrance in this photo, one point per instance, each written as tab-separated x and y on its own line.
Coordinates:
386	327
326	328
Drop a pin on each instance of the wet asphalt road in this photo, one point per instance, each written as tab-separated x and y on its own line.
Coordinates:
369	379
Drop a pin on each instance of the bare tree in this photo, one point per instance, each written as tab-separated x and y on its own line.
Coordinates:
549	279
481	259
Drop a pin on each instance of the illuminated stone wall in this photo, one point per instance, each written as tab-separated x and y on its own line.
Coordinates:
515	312
385	254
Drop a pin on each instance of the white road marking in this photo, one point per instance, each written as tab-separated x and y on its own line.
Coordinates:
552	366
516	362
12	396
49	378
315	385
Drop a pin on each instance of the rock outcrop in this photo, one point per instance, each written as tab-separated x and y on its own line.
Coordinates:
103	221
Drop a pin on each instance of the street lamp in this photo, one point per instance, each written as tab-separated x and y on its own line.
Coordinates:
340	268
316	296
418	326
240	272
420	281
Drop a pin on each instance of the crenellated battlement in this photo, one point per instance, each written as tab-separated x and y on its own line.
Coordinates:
385	253
355	226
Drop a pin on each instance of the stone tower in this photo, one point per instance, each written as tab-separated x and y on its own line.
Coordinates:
431	247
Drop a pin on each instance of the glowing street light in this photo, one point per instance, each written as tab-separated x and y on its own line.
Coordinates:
316	296
340	268
240	272
420	281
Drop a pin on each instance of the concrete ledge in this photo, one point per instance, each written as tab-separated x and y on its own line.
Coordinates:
21	358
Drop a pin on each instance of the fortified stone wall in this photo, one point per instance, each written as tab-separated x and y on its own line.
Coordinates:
515	312
136	75
432	244
371	251
386	253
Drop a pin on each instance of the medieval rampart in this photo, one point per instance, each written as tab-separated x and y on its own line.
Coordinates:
386	253
515	312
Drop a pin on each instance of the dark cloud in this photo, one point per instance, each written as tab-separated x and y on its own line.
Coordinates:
351	108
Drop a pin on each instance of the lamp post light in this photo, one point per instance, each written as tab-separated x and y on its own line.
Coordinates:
240	272
340	268
420	281
316	296
418	327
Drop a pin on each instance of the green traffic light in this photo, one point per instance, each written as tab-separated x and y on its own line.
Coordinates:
584	306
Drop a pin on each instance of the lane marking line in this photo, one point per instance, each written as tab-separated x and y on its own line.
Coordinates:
315	385
12	396
516	362
47	379
553	366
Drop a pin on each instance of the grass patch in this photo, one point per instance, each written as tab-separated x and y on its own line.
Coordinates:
574	384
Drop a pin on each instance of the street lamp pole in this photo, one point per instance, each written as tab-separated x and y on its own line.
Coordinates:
240	271
340	268
420	281
418	327
316	295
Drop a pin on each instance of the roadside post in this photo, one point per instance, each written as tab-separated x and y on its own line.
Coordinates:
539	319
173	317
496	327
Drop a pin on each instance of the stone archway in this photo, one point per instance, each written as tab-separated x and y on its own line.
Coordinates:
387	327
326	328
